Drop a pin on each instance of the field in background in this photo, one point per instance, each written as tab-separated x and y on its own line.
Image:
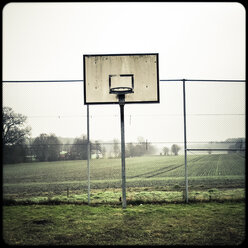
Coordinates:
149	179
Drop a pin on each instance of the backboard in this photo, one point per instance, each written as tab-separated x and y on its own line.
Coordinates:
136	72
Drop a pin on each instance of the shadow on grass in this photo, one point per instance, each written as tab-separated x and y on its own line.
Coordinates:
13	202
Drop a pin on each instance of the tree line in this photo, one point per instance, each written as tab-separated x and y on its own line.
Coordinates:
18	147
174	149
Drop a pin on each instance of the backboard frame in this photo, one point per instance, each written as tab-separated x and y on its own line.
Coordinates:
116	102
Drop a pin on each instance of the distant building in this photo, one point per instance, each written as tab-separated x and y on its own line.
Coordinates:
63	155
96	155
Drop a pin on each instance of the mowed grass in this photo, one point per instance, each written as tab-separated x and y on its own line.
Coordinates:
160	224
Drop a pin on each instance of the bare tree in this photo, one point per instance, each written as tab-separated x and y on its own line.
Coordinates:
14	127
79	148
47	147
166	151
14	136
175	149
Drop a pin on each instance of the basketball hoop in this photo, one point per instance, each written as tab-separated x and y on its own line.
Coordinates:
109	78
120	90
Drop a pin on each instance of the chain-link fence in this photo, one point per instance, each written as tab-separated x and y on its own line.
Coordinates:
52	163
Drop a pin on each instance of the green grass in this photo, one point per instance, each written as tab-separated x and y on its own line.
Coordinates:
134	196
136	168
158	174
46	203
173	224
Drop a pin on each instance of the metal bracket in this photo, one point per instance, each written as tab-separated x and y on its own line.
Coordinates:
121	99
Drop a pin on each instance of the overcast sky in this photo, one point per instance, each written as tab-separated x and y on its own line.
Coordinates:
46	41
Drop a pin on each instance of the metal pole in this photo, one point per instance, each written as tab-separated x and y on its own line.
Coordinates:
88	152
185	143
123	169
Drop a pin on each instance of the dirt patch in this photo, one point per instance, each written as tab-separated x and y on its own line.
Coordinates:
42	222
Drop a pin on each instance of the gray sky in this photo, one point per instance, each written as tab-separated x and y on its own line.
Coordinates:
46	41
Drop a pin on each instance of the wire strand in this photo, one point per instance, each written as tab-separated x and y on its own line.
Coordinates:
161	80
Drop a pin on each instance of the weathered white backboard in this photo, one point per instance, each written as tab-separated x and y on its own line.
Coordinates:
136	71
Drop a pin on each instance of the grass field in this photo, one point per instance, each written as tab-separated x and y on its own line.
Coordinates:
148	224
46	203
158	178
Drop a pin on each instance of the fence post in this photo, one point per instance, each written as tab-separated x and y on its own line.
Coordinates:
88	152
185	143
